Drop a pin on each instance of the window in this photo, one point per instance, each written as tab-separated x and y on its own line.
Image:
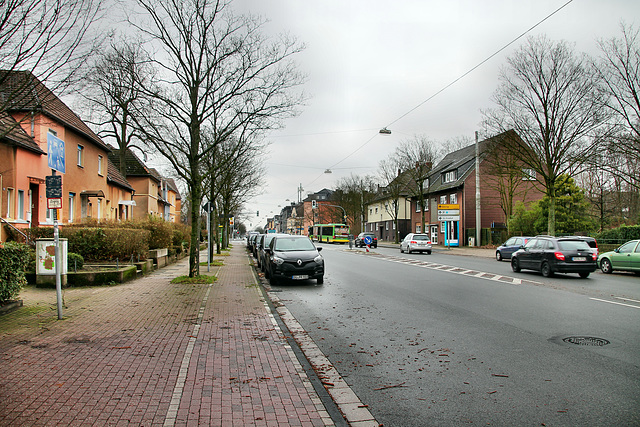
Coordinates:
443	200
418	228
442	227
386	225
450	176
418	206
100	165
10	203
453	199
376	210
20	213
72	207
528	175
370	211
80	156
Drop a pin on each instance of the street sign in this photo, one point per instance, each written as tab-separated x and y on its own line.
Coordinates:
367	240
448	217
55	203
444	206
448	211
53	186
55	153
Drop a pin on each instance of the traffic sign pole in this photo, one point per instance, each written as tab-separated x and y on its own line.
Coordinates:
55	189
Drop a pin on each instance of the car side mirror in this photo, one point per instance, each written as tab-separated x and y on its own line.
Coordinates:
267	250
319	248
616	250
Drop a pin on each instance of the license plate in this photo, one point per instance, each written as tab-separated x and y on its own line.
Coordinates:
579	258
300	277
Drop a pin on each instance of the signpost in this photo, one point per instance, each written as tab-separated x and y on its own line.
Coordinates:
54	201
448	213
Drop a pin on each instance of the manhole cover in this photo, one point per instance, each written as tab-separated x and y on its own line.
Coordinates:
589	341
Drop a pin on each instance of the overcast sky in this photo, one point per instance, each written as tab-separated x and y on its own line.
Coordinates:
371	62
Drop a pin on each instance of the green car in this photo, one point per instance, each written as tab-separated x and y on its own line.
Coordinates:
624	258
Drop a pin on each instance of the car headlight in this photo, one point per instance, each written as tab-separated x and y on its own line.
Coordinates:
319	259
278	260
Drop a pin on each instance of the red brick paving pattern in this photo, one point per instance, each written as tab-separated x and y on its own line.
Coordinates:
116	358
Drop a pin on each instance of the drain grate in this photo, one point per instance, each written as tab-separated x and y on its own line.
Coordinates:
587	341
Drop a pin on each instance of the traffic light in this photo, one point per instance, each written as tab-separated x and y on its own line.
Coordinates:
314	204
257	213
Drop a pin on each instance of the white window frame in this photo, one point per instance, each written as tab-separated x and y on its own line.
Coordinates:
72	206
453	199
20	205
100	165
443	199
10	203
80	156
99	209
418	228
450	176
418	209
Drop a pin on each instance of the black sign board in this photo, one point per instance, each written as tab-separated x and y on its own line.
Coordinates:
54	186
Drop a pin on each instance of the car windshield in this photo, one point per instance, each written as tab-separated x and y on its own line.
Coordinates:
420	237
573	245
293	244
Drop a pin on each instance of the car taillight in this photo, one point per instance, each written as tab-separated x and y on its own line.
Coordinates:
413	242
594	256
559	256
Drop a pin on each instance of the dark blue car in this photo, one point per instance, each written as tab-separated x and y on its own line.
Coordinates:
510	246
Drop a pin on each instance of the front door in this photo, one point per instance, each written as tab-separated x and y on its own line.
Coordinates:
34	204
434	234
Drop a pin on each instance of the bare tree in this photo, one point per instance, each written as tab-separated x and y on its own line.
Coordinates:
354	193
549	96
215	70
619	69
417	156
50	39
114	93
395	186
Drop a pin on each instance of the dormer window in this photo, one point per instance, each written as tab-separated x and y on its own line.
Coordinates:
450	176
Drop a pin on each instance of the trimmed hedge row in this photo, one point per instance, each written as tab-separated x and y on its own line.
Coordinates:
110	240
619	235
14	258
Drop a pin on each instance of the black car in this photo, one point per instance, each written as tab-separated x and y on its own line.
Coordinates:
549	255
295	258
359	242
265	240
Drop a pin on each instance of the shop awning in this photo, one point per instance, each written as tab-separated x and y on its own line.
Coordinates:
92	193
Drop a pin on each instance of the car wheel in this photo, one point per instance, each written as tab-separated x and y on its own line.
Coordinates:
401	250
545	269
428	252
408	249
515	265
498	256
320	280
273	280
584	274
605	266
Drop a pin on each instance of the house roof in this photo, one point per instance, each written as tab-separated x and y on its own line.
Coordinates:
13	133
115	177
173	187
463	162
22	91
134	166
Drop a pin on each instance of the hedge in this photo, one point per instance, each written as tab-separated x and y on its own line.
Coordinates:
13	262
619	235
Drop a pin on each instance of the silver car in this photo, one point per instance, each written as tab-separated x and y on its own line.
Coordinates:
416	242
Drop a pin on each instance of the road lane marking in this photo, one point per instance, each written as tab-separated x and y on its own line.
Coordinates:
628	299
495	277
614	302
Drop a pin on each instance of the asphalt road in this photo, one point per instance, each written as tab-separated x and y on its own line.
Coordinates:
450	340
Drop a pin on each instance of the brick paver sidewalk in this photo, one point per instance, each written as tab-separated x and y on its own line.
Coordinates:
153	353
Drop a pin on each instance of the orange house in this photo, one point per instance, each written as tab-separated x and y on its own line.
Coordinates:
32	116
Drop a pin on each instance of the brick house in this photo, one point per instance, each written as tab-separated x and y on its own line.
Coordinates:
32	115
452	186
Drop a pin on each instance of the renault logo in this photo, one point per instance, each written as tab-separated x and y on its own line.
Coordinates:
299	262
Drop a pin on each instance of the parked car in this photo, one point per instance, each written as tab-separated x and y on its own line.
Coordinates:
294	258
252	242
624	258
249	237
256	245
416	242
359	242
264	243
549	255
591	241
512	244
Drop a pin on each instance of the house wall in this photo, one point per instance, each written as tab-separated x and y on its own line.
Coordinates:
146	196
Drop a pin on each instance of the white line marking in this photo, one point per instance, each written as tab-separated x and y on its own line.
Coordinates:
613	302
628	299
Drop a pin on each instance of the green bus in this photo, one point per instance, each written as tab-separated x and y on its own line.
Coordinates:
330	233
